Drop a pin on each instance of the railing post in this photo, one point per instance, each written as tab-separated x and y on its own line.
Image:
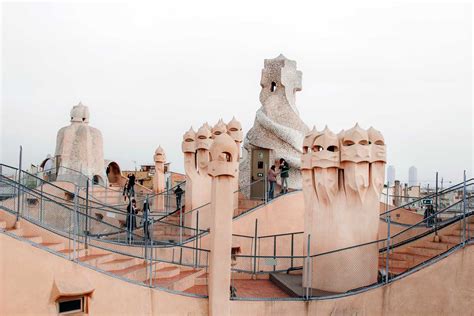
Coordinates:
308	268
464	237
196	239
41	204
292	248
274	251
181	226
87	215
436	208
146	232
151	248
255	248
266	183
74	223
19	185
387	249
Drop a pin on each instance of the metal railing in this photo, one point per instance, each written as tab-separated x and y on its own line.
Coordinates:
80	232
274	254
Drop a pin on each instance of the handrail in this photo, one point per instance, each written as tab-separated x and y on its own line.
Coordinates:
36	194
447	190
434	215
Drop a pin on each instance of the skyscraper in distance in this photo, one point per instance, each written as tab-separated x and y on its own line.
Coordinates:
391	174
412	176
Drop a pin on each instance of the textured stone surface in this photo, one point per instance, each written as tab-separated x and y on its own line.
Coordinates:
343	177
80	146
277	123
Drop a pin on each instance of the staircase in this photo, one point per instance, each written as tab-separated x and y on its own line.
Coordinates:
420	250
165	275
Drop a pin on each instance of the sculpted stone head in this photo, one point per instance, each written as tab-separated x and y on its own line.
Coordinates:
377	146
203	138
234	129
219	128
355	145
325	150
189	141
223	156
80	113
160	156
307	145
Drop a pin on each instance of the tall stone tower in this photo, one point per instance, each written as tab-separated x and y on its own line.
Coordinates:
79	147
278	131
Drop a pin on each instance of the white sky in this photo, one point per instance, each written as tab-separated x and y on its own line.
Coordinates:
148	72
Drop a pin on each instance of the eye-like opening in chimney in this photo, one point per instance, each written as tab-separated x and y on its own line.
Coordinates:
273	87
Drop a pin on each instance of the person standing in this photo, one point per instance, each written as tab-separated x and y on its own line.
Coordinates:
131	184
131	222
125	191
284	174
146	221
272	178
179	193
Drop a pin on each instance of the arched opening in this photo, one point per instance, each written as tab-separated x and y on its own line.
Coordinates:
113	172
49	171
97	180
273	87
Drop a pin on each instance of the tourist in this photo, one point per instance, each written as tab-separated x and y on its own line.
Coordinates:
425	216
125	191
284	174
131	222
272	178
179	193
146	221
131	185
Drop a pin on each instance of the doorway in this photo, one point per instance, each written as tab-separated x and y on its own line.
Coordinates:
260	165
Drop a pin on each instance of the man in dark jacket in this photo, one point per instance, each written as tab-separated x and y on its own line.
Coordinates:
131	184
131	221
284	174
179	193
146	220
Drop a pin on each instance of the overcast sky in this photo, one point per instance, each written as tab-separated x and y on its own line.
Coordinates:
149	72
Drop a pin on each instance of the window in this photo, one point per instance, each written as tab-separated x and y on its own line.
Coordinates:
71	305
273	87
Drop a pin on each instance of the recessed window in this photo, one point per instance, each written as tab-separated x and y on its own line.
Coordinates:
71	305
273	87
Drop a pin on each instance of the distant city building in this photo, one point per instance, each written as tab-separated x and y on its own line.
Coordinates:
391	174
412	176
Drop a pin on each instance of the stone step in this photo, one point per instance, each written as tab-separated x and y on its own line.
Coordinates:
134	272
201	280
469	231
70	252
394	263
96	259
54	246
35	239
451	239
16	231
186	281
117	264
424	251
167	272
433	245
